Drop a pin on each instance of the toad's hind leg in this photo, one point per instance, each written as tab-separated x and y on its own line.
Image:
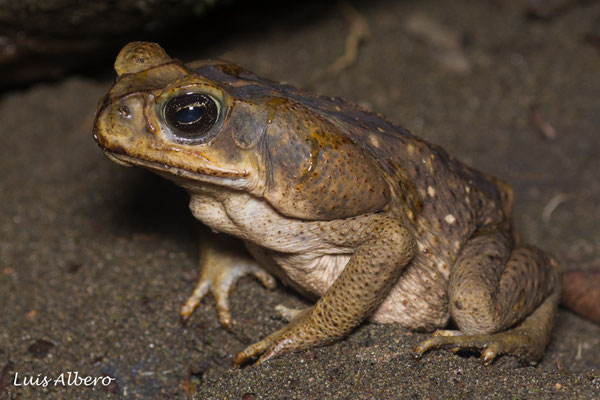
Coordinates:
503	301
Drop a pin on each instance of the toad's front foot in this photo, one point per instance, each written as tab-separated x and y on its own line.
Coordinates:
300	334
220	271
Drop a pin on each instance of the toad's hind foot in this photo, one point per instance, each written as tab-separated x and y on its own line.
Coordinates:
526	341
492	345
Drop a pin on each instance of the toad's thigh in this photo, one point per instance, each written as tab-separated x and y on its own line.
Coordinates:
492	286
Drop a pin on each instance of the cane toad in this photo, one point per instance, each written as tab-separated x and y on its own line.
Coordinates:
353	211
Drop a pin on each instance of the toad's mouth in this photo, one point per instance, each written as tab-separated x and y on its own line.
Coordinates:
202	173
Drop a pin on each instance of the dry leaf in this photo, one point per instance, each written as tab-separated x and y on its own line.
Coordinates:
581	293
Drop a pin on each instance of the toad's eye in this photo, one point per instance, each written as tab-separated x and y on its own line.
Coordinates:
192	116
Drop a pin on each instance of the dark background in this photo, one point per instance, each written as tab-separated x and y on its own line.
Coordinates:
96	259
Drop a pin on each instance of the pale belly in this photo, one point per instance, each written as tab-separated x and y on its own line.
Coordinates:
298	256
417	301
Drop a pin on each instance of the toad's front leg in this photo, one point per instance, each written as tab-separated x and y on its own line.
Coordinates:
382	249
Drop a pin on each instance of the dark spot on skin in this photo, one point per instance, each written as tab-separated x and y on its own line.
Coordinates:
230	69
458	305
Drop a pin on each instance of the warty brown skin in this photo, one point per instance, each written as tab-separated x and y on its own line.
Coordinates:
347	208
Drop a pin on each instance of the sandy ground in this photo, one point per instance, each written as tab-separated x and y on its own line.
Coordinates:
96	259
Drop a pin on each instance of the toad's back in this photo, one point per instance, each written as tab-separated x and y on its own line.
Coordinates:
439	199
428	183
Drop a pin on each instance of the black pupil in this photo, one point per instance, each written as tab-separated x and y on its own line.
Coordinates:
189	114
192	115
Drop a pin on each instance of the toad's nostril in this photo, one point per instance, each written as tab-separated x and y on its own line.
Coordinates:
124	111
